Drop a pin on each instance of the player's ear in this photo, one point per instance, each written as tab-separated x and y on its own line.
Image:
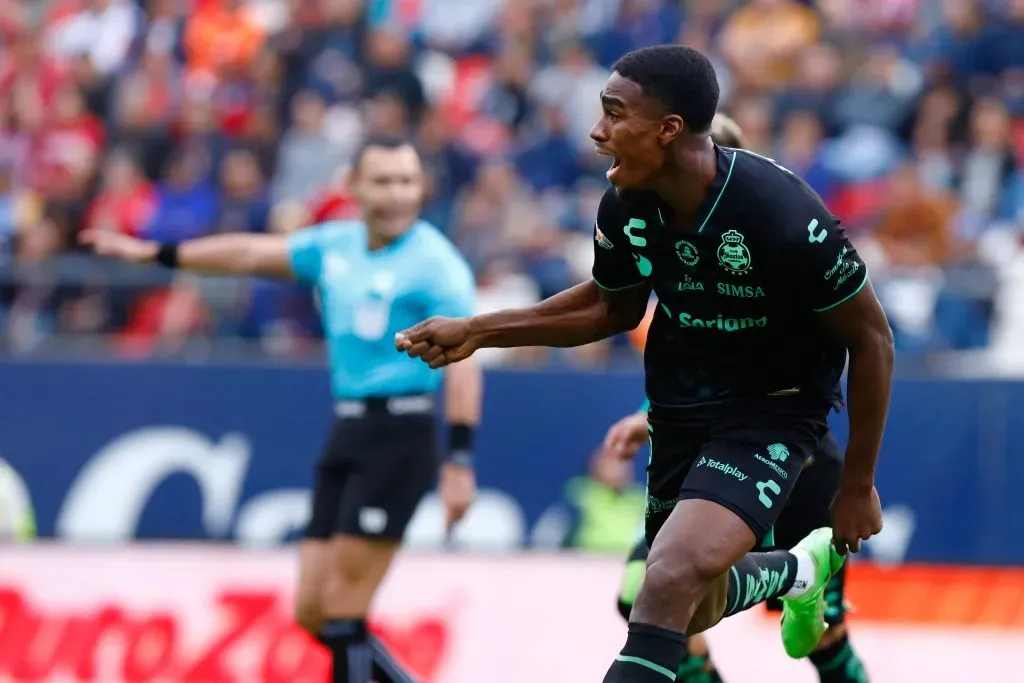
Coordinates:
671	127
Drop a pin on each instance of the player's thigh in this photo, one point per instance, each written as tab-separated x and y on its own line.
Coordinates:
751	462
808	506
673	449
396	466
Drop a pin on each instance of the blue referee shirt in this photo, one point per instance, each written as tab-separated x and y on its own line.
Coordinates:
366	297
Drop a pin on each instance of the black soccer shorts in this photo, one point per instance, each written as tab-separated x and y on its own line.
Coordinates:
744	457
374	471
807	510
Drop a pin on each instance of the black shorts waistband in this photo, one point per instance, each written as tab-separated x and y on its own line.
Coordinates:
409	404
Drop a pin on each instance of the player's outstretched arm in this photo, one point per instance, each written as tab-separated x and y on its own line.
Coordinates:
232	254
583	314
577	316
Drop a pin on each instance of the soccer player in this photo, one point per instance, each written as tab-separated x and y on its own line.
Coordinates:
807	509
373	277
761	298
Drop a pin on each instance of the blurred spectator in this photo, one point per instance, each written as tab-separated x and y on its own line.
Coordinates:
221	38
307	157
67	149
244	205
573	84
799	150
187	201
763	39
145	103
388	70
915	228
126	202
19	208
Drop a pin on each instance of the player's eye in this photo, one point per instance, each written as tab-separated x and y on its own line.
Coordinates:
611	115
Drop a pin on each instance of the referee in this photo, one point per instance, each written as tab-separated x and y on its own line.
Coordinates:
373	277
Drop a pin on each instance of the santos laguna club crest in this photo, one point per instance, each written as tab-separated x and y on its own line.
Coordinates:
733	255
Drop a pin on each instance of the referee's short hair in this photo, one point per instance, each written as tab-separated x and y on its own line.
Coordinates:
380	141
679	77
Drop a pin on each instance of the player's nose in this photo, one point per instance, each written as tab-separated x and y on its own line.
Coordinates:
599	131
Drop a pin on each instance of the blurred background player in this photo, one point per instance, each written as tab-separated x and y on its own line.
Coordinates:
373	278
806	510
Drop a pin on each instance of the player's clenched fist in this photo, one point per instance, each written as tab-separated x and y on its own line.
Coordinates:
118	246
856	516
438	341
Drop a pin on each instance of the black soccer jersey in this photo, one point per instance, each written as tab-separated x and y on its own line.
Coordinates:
738	297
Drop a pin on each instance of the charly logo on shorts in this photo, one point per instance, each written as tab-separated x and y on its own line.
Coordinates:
733	254
722	467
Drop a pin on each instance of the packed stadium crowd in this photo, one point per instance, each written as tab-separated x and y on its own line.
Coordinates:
173	119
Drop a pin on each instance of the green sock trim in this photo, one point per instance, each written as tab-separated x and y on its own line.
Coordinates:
739	589
670	675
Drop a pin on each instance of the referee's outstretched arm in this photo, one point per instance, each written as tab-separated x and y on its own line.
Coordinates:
232	254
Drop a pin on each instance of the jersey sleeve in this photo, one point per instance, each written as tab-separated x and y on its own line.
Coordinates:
453	289
827	268
614	265
305	253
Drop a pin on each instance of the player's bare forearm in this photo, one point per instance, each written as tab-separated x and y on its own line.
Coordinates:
862	326
463	392
577	316
237	254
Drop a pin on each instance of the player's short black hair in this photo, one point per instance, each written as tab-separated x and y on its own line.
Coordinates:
679	77
379	140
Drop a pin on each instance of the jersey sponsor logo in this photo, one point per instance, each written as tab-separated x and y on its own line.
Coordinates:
733	254
815	235
601	240
642	264
687	253
842	270
778	451
689	285
721	323
740	291
722	467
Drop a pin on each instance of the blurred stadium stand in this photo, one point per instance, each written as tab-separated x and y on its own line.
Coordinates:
905	115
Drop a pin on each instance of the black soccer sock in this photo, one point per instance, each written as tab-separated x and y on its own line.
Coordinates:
758	577
386	668
351	653
839	663
651	655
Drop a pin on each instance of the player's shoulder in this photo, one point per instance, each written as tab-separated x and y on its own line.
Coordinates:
617	208
332	234
773	197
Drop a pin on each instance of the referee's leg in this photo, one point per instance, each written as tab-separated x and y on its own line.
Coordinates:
369	483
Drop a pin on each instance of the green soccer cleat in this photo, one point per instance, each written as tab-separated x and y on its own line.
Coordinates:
803	617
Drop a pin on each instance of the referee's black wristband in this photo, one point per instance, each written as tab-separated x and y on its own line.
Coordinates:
168	255
460	445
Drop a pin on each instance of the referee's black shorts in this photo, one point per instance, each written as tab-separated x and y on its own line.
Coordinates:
379	461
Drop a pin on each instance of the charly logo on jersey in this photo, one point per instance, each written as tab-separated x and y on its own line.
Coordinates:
814	234
600	238
687	253
642	263
689	285
733	254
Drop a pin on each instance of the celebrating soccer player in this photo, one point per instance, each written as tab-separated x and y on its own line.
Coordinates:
761	299
373	277
807	509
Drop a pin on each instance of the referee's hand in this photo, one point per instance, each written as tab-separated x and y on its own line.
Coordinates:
437	341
